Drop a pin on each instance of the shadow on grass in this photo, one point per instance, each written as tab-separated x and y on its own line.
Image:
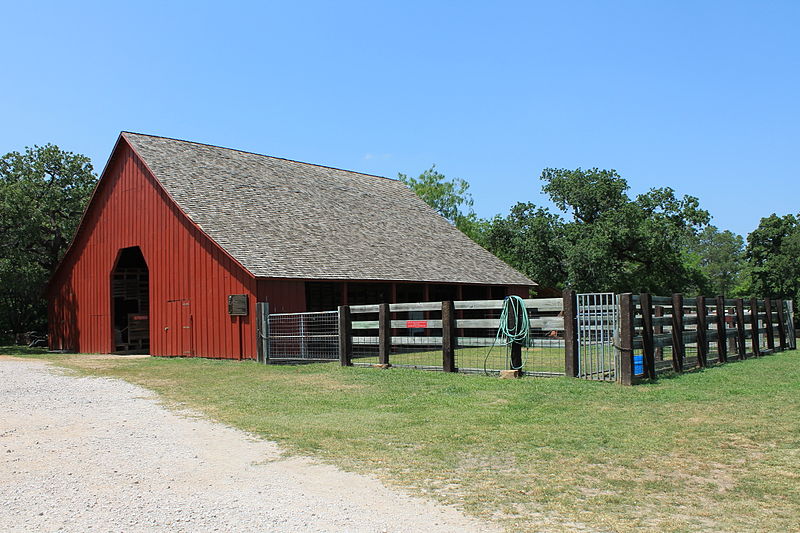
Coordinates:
22	351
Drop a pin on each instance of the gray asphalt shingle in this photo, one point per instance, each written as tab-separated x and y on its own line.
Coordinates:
286	219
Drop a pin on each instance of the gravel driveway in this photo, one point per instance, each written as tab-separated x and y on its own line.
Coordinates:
80	453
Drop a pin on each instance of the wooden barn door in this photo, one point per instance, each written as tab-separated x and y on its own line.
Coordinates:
178	332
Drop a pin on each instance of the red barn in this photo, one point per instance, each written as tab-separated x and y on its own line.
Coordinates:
174	228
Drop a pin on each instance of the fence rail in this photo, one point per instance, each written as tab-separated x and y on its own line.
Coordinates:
453	336
674	333
603	336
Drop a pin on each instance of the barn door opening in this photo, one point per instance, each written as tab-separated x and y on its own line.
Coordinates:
130	310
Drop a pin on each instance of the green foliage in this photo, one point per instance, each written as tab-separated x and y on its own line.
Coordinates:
720	257
530	238
772	255
608	241
43	192
450	198
611	243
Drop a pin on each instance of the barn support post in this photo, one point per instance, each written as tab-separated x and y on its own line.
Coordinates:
571	362
262	331
449	338
741	350
345	336
626	329
384	334
781	325
678	348
648	348
702	332
754	327
722	334
768	324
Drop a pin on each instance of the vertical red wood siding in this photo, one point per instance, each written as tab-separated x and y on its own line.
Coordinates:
283	295
190	276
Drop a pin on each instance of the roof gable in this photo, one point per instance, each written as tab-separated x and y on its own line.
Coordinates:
286	219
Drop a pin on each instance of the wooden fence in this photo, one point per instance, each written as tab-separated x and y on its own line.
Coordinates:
653	334
677	333
450	336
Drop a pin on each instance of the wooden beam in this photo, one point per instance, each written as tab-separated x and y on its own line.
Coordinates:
571	360
514	324
741	349
345	336
262	330
658	329
626	330
384	334
449	338
678	347
722	339
781	325
702	333
754	327
648	348
768	324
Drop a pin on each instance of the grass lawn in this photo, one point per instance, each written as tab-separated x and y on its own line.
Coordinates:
715	450
484	358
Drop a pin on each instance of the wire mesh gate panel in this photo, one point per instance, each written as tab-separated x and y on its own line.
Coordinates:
304	336
597	326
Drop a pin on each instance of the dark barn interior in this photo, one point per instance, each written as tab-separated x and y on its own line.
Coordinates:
328	295
131	309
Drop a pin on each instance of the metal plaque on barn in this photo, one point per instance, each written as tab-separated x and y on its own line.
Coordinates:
416	324
237	304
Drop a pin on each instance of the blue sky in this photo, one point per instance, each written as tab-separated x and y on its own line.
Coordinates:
700	96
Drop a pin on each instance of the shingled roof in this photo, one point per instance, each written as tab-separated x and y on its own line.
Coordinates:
286	219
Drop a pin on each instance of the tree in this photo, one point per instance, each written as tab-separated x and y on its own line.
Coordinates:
610	242
530	238
720	256
450	198
771	254
43	192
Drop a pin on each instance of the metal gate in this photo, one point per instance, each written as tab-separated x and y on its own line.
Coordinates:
598	326
301	337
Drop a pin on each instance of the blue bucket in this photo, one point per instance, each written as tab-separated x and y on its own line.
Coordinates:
638	365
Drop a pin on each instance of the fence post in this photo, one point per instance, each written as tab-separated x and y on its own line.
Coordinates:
677	332
345	336
514	324
781	325
648	349
571	357
722	337
262	330
742	347
449	337
658	330
790	323
626	329
754	327
768	324
384	334
702	332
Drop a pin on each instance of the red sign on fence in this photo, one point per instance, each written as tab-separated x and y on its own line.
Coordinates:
416	323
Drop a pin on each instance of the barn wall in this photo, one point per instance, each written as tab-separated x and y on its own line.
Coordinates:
284	296
190	277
